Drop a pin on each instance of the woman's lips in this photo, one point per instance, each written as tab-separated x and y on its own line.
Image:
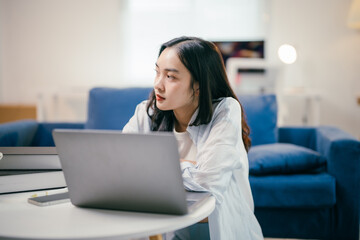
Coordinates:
159	98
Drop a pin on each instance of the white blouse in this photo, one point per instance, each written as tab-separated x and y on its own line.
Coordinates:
221	168
187	148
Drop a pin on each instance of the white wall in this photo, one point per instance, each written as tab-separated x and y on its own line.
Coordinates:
2	18
148	24
329	57
64	47
54	51
58	47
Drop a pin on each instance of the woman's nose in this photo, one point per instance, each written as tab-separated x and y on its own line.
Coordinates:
159	84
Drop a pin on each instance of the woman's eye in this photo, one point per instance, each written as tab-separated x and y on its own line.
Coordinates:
170	77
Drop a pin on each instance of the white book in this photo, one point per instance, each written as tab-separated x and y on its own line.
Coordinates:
32	181
17	158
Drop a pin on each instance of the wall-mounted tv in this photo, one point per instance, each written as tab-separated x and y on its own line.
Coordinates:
241	49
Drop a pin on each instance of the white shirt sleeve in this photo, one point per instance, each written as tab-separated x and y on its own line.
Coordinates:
220	153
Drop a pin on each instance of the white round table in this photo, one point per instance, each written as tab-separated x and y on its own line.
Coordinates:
21	220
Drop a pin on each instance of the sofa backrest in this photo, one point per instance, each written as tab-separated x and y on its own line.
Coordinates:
111	108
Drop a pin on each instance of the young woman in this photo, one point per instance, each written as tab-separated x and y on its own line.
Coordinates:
192	98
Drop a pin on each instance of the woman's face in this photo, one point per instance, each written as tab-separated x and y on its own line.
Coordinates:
173	84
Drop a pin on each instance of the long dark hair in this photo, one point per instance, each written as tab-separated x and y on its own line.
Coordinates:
204	62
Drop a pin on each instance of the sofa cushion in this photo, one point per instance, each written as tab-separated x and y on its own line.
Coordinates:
261	115
111	108
282	158
298	190
18	133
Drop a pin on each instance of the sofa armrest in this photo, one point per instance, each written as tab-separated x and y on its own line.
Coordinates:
43	136
342	152
17	133
301	136
31	133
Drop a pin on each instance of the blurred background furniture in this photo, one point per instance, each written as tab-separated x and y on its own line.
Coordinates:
13	112
305	180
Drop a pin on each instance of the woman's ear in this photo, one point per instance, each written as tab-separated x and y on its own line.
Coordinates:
197	89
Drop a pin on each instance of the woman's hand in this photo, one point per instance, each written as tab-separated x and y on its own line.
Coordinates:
183	160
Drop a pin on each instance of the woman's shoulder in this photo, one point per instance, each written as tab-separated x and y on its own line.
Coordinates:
226	104
142	106
140	121
141	109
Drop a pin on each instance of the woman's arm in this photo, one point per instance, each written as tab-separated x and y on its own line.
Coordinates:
220	152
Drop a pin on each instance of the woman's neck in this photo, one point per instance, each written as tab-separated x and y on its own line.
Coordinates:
182	119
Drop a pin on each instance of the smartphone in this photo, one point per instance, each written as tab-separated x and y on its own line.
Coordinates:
50	199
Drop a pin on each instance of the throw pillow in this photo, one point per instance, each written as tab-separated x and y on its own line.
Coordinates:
261	116
283	158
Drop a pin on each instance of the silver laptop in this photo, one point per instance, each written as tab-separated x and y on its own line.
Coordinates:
131	172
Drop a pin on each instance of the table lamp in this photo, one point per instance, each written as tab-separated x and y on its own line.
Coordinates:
287	54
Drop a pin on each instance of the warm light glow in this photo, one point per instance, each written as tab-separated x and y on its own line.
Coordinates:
354	15
287	54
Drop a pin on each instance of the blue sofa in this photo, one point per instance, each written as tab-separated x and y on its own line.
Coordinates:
305	180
